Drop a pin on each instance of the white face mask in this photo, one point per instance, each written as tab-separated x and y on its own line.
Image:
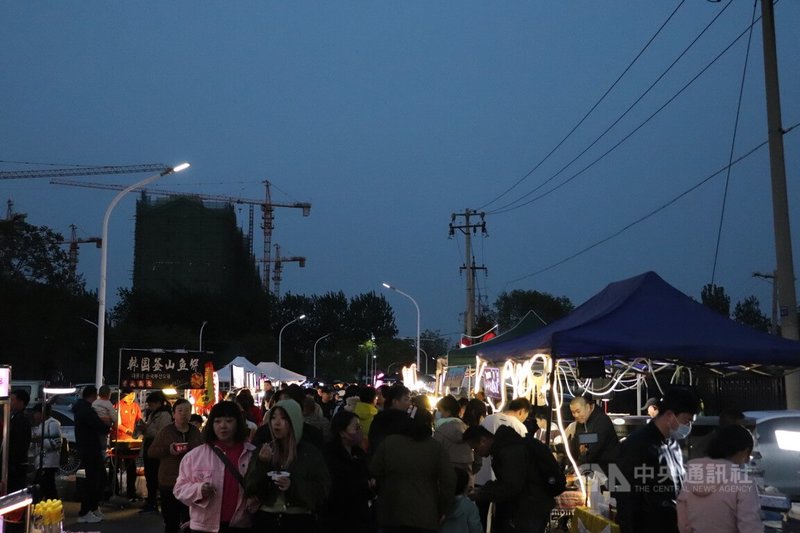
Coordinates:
437	415
681	432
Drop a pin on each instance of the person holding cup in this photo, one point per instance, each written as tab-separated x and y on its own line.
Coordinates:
289	476
210	477
171	443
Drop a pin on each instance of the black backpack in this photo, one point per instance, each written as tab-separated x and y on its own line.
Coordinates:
545	472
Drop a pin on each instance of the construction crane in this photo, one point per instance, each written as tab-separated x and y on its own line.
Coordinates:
82	171
267	209
278	261
73	242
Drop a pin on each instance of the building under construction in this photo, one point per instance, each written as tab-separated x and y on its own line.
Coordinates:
186	245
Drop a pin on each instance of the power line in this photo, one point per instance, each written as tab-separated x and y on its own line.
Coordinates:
585	116
733	145
629	135
623	115
650	214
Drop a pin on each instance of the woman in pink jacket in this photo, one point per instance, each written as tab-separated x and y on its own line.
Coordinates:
211	488
717	494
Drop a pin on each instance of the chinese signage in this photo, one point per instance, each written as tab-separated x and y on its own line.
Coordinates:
142	369
492	382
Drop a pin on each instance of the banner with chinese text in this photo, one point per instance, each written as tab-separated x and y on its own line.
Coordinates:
147	369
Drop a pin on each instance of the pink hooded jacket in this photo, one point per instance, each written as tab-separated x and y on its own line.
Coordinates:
202	465
718	496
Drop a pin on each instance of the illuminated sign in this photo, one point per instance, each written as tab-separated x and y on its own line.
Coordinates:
144	369
5	381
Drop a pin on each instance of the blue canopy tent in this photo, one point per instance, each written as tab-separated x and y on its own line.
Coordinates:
644	316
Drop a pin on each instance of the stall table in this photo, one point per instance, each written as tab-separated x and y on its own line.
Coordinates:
121	451
585	520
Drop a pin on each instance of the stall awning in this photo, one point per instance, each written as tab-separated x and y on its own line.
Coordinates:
644	316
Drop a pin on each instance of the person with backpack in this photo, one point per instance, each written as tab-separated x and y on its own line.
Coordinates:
528	478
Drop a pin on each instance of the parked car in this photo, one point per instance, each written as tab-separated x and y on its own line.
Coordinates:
777	450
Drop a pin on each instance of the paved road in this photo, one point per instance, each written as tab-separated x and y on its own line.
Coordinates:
120	515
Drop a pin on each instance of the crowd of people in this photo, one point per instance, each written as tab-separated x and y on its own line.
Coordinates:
364	459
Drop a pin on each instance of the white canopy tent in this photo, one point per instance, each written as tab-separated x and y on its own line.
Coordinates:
226	374
276	373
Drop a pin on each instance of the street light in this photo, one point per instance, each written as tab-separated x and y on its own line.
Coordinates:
280	355
395	289
426	359
101	291
315	351
201	335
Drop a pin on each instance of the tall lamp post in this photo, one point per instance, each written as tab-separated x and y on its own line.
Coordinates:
315	352
395	289
200	349
101	291
280	334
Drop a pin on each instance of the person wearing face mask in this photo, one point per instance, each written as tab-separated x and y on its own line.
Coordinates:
352	489
650	471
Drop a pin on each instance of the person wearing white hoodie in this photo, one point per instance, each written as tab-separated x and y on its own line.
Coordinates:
717	495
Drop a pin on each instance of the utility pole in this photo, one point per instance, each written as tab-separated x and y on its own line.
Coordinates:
468	229
780	203
773	327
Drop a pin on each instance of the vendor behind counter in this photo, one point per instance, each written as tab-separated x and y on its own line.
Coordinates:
595	440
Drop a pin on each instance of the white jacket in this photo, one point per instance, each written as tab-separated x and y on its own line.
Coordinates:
52	444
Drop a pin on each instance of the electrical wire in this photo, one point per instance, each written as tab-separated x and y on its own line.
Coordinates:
733	145
505	207
629	135
644	217
586	115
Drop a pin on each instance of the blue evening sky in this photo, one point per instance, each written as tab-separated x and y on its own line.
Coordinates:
390	116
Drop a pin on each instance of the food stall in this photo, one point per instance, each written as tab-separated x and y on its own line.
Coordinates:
634	330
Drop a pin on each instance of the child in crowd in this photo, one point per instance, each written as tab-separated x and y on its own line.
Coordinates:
104	408
463	516
196	420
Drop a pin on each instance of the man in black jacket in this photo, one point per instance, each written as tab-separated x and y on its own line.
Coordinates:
19	440
651	466
523	506
594	441
89	431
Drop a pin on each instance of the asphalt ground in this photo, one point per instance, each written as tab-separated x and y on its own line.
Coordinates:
121	516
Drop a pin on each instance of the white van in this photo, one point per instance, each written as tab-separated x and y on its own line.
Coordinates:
34	388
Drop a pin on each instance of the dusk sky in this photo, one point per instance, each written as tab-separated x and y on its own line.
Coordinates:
390	116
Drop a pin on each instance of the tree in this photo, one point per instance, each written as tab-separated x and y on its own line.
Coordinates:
748	312
714	297
370	314
34	254
511	307
43	303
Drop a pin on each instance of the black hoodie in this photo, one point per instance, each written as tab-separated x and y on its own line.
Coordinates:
517	491
88	428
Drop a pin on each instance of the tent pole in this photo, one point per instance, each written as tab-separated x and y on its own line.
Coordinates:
552	398
639	395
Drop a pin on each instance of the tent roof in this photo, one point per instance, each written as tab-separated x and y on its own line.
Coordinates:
277	373
527	324
224	373
644	316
